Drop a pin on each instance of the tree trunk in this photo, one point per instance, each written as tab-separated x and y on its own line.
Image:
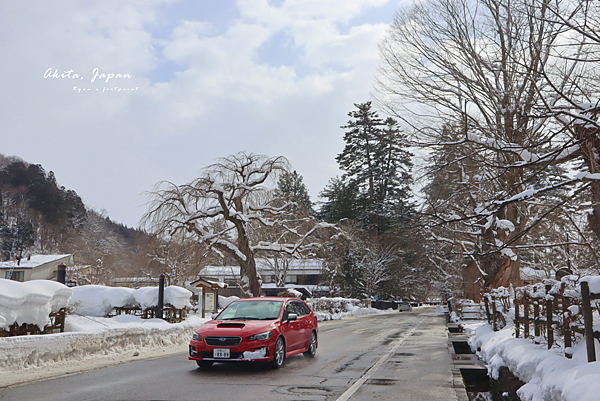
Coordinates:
472	282
590	147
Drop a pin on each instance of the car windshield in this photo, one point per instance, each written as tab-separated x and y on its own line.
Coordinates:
252	310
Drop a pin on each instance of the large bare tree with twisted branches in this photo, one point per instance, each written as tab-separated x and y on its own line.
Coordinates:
227	206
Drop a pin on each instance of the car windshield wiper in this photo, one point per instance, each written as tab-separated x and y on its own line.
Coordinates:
242	318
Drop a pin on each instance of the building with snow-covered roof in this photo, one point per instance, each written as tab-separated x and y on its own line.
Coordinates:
299	272
34	267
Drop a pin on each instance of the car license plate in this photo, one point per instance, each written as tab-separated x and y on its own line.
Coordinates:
221	352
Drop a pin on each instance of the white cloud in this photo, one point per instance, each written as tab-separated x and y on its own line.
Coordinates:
226	96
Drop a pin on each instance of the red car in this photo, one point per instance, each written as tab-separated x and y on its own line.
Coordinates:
267	329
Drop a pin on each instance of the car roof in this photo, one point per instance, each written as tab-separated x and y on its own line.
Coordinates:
266	299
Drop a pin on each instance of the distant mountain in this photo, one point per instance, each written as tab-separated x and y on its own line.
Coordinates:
38	216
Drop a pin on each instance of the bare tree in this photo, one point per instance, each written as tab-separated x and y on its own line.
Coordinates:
493	69
377	268
225	206
179	257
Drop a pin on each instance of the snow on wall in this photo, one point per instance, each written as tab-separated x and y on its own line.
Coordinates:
86	338
31	302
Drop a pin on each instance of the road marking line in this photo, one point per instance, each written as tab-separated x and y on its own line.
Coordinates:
358	384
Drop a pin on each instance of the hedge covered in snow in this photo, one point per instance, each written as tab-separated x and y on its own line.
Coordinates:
99	300
31	302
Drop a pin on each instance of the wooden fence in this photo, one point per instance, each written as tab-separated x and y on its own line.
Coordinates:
551	310
57	323
170	313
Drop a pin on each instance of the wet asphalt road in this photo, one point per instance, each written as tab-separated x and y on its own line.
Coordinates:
396	356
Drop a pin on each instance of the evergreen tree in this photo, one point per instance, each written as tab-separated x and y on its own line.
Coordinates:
378	165
292	189
343	201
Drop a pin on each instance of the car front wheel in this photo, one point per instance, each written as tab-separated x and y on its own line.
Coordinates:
279	354
312	346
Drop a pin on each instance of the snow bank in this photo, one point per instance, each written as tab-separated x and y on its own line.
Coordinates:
86	338
548	374
336	308
31	302
99	300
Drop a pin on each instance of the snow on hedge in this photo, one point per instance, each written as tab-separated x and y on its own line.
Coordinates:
99	300
31	302
336	308
179	297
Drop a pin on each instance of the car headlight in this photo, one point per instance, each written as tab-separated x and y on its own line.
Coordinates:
197	337
260	337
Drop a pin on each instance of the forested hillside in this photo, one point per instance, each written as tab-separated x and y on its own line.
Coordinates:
38	216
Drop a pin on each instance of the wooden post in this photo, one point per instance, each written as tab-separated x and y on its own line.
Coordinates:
202	303
494	325
526	318
567	325
517	318
161	296
549	328
487	309
536	319
588	320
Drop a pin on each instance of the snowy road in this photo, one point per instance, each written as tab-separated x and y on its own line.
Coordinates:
347	350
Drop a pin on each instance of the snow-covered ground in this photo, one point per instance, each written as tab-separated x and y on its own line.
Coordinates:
548	374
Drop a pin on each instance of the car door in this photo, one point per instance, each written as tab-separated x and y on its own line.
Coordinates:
304	320
294	335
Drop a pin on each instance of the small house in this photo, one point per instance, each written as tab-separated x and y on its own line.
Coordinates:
34	267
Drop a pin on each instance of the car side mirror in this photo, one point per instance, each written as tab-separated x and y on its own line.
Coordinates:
291	317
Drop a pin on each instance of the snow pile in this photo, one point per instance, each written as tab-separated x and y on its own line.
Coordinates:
548	374
88	338
225	301
593	283
336	308
99	300
31	302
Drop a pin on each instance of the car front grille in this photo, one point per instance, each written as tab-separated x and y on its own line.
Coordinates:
223	341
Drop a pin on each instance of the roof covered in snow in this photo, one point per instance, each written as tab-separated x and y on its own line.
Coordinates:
33	261
297	266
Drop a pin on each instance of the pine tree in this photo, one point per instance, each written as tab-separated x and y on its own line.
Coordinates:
378	165
343	201
292	189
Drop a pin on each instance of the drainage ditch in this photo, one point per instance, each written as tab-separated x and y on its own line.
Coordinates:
478	385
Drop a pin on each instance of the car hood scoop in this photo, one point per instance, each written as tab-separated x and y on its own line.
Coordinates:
224	325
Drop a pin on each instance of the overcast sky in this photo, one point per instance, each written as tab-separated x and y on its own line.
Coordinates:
208	78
